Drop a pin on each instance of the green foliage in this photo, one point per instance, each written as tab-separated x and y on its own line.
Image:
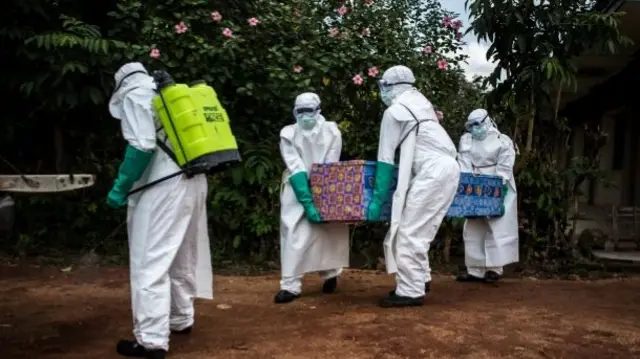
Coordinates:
535	42
74	53
64	54
535	45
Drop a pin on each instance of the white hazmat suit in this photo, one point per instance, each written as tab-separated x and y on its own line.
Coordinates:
305	246
170	260
489	244
427	182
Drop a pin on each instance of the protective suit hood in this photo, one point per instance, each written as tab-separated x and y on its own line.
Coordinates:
481	115
307	99
129	77
305	102
399	79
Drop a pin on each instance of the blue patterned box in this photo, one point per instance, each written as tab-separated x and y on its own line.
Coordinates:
478	196
342	190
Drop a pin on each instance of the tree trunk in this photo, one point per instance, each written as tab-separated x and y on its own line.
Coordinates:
515	126
532	117
559	154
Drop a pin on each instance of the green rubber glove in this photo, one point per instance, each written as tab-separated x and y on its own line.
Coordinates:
382	185
131	169
300	184
505	190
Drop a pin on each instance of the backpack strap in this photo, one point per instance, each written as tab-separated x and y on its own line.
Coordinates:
164	147
416	126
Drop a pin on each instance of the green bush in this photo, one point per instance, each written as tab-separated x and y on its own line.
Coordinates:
258	55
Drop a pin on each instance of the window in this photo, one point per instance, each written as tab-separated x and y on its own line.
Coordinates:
619	143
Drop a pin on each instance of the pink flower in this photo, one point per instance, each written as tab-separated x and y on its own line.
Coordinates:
297	69
215	16
368	2
181	28
446	22
456	24
373	71
427	50
439	115
227	32
253	21
357	79
342	10
296	12
333	32
442	64
459	36
155	53
365	31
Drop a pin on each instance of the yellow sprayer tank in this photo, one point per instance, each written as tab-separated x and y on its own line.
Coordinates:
198	145
214	114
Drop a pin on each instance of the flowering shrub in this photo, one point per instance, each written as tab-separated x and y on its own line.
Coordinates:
257	54
260	56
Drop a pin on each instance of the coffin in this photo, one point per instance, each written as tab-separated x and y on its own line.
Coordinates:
342	190
478	196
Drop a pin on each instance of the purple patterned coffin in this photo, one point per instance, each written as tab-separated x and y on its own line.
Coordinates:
342	190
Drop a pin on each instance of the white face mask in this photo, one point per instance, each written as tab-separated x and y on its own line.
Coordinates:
307	121
385	96
479	131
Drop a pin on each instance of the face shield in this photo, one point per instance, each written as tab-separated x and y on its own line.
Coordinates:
386	90
477	127
305	110
306	116
384	85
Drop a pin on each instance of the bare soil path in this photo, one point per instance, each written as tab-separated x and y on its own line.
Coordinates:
49	314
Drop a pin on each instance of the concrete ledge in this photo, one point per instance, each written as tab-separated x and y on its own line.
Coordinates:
629	256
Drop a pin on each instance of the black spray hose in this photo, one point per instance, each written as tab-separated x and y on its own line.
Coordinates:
166	108
145	186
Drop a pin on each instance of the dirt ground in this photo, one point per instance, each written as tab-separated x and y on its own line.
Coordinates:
47	314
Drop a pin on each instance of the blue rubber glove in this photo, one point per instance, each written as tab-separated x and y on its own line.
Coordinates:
133	166
382	185
300	184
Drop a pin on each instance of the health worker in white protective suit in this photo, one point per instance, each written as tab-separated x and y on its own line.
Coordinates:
428	176
489	243
169	257
306	245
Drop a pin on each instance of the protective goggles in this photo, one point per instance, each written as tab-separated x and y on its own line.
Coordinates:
305	110
384	84
473	124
